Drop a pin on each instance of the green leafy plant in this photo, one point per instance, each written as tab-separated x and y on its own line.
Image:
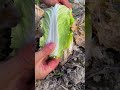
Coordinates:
56	27
24	31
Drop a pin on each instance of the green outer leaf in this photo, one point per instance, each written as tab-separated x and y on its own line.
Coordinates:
56	26
24	31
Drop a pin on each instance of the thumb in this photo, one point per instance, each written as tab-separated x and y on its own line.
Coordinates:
44	52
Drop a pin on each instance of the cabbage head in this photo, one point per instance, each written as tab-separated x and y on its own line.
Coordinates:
56	26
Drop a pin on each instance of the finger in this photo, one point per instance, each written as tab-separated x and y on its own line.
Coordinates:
47	50
51	65
66	3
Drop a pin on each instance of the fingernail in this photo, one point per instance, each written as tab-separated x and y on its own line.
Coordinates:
51	45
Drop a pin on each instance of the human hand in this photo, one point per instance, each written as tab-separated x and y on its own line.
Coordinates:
17	71
43	66
53	2
21	68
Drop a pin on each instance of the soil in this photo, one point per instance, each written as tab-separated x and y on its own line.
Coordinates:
106	22
103	67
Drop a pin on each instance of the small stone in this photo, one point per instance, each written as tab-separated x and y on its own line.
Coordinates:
68	70
75	59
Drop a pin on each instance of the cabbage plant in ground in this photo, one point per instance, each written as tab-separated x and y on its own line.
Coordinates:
56	27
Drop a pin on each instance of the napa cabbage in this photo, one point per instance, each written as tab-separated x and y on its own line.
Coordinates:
56	26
